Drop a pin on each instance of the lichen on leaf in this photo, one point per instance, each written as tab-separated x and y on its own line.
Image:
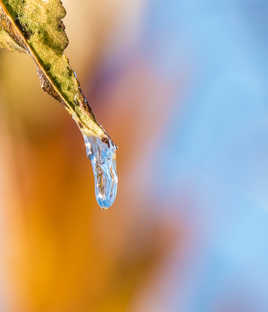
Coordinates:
36	28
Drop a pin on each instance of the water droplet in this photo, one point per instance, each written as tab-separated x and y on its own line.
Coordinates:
102	155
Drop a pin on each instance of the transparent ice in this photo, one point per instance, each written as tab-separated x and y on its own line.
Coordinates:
102	155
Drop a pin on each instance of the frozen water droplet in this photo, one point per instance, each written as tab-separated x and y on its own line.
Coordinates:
102	155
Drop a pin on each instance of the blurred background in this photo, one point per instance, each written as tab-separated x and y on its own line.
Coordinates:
181	87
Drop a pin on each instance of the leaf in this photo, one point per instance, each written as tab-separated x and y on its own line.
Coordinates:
36	28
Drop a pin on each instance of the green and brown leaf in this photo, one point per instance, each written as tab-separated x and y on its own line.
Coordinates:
36	28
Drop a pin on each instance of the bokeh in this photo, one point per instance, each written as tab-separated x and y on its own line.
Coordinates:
181	87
